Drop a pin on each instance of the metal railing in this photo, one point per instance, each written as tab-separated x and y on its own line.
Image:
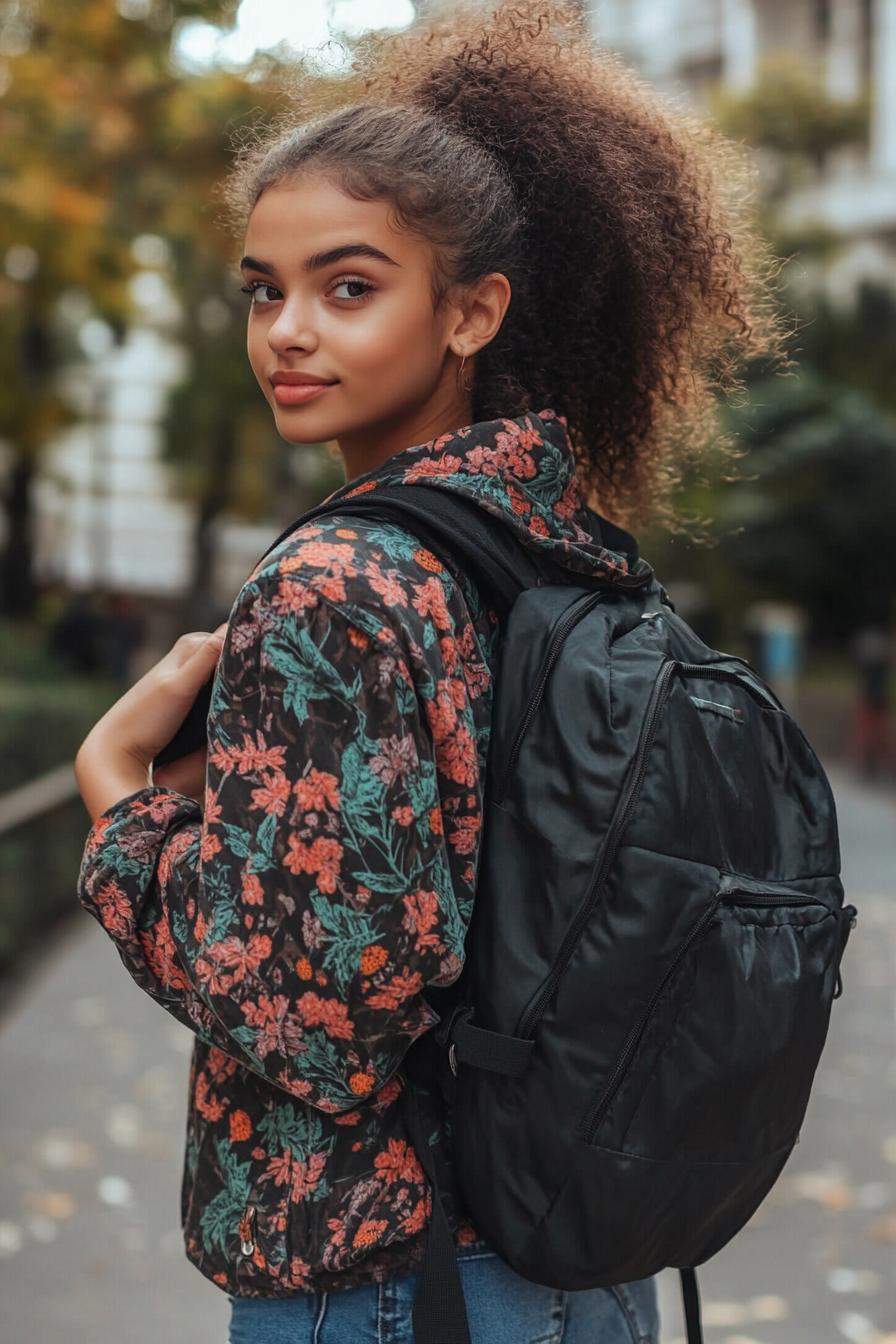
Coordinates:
37	797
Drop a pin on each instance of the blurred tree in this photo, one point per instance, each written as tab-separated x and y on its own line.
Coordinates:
814	522
806	513
86	155
792	121
105	136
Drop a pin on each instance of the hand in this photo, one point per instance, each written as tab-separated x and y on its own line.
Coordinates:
115	757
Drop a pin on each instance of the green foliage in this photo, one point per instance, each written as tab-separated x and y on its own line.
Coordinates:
789	112
44	718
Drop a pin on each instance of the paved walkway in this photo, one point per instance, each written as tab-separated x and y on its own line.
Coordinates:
92	1113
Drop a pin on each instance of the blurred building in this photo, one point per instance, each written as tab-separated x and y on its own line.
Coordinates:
688	46
108	516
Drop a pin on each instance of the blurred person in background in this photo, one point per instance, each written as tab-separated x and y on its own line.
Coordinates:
511	269
872	652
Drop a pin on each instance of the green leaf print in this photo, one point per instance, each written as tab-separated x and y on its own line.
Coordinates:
300	1131
322	1063
361	788
237	840
352	931
219	1218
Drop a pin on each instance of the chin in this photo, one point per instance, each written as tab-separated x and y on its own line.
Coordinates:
300	425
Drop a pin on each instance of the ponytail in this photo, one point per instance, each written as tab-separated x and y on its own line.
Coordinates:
512	142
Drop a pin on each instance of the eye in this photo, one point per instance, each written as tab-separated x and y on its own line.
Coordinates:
253	287
366	287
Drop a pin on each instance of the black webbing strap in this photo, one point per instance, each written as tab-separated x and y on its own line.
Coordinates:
691	1296
439	1313
490	1049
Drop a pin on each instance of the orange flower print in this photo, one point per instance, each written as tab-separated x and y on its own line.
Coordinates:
538	526
346	532
299	1270
157	943
253	891
388	587
388	1093
518	501
322	858
361	1083
357	637
465	834
293	595
369	1232
403	815
325	555
317	791
372	958
457	757
240	1127
399	988
207	1104
303	968
435	820
252	757
398	1163
416	1219
430	600
347	1118
306	1177
422	915
210	846
115	910
360	489
426	560
427	467
273	797
327	1013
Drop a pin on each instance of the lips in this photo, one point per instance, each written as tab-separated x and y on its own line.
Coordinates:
300	379
294	394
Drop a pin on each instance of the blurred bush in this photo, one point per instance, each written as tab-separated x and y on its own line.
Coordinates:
45	714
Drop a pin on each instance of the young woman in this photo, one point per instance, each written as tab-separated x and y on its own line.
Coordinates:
509	272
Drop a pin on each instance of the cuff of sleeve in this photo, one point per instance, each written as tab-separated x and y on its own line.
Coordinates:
154	803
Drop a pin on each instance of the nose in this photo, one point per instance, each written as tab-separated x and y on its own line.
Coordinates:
291	329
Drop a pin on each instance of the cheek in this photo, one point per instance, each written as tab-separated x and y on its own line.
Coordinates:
392	337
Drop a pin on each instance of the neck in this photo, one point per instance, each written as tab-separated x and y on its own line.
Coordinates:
366	449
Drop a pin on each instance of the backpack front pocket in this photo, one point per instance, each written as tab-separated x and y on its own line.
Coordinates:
719	1064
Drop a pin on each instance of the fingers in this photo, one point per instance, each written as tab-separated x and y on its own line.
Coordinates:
195	653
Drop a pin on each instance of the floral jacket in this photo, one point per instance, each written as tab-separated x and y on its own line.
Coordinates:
296	922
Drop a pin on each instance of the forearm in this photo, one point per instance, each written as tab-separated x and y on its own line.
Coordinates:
104	776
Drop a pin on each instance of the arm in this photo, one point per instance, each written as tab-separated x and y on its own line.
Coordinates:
297	924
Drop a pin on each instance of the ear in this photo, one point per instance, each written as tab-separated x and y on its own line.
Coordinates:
480	311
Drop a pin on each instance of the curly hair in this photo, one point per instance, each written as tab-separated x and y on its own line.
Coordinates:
511	141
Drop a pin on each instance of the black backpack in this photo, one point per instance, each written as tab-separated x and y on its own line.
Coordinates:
656	936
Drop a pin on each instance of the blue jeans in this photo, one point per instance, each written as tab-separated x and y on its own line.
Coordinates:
502	1308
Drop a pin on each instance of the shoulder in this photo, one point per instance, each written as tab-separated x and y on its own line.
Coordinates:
354	572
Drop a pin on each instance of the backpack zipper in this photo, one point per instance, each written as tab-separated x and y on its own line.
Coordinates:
575	613
598	1109
620	821
621	817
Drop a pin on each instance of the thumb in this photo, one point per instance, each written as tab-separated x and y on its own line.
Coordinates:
195	669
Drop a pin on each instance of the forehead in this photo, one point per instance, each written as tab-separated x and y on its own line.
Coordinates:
291	221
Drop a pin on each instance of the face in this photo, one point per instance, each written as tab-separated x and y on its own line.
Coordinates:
362	320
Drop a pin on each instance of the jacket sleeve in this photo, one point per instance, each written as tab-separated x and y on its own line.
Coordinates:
298	920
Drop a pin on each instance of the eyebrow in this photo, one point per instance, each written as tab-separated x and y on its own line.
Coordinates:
320	259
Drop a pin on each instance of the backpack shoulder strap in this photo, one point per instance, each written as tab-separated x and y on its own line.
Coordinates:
451	525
